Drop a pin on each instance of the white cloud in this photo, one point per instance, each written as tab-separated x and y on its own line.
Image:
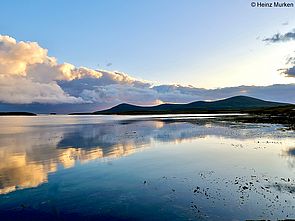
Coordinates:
15	57
29	75
21	90
116	93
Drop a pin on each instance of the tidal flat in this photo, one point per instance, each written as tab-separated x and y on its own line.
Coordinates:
166	167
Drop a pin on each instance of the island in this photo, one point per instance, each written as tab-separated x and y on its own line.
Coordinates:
17	114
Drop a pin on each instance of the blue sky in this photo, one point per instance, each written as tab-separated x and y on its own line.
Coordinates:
65	56
202	43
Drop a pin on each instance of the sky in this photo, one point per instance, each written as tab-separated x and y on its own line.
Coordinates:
86	53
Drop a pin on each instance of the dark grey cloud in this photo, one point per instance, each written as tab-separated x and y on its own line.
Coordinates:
289	71
281	37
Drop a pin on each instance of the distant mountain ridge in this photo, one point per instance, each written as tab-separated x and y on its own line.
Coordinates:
232	104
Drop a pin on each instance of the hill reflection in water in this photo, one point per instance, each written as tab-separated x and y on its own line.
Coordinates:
29	153
147	168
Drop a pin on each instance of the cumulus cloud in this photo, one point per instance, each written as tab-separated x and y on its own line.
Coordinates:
15	57
281	37
28	75
21	90
114	94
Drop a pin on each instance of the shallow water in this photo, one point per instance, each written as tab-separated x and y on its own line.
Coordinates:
188	167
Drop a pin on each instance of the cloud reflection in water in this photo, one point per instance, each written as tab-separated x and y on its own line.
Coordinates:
30	154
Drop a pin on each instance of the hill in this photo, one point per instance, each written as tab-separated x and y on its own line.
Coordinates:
233	104
17	114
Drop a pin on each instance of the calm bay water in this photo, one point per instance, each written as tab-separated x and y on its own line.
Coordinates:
194	167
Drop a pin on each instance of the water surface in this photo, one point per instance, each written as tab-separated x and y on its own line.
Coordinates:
184	167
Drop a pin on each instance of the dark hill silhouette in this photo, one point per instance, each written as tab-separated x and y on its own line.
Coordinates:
233	104
17	114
